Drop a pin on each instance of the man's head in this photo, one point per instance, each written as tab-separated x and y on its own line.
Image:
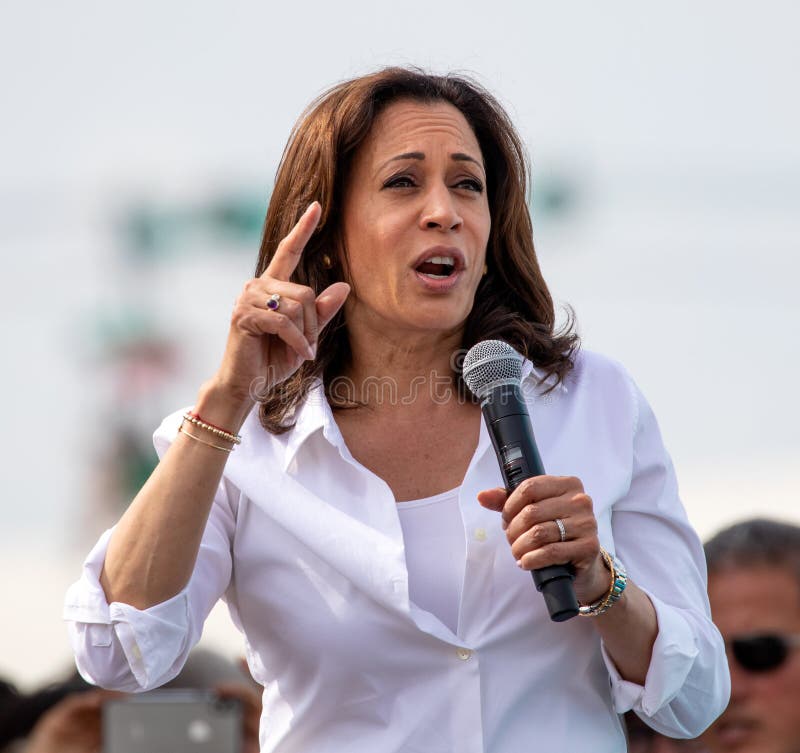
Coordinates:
754	589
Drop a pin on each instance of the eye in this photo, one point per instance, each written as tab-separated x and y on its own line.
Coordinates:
400	181
470	184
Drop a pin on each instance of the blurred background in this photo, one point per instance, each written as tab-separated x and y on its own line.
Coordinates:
138	144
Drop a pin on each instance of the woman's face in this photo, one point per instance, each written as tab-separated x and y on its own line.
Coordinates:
416	221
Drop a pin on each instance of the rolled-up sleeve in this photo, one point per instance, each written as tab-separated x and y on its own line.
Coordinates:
687	684
123	648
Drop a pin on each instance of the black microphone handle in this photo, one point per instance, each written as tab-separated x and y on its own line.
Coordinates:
510	428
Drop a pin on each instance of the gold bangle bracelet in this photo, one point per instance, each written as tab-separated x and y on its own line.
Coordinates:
203	441
221	433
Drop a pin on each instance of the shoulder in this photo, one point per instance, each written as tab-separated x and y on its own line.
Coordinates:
601	389
606	381
597	369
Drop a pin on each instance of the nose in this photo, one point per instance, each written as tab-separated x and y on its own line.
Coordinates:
440	211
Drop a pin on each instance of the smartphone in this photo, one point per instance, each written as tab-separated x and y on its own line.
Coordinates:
172	721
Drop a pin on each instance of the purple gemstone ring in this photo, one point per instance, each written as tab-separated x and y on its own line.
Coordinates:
274	302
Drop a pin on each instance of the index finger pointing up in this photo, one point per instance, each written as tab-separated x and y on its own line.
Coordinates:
290	249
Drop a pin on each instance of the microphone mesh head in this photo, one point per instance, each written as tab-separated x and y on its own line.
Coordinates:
489	364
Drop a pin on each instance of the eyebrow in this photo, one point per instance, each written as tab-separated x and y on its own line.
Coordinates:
457	156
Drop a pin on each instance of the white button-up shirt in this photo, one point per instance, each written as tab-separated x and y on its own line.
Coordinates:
305	546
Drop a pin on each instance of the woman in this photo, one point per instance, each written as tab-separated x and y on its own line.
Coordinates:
384	609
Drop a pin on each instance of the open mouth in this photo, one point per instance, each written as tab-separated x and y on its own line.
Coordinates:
437	267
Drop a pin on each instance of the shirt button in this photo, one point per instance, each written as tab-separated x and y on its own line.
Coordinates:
464	654
480	534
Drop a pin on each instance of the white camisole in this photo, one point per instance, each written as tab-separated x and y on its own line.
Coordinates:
435	544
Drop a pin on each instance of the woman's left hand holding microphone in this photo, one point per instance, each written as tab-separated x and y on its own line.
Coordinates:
530	514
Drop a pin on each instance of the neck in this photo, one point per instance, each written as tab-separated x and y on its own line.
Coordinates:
410	371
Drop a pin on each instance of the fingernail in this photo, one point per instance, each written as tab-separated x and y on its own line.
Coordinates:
519	565
311	353
504	524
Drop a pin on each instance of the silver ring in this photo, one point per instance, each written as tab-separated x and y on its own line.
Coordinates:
561	529
274	302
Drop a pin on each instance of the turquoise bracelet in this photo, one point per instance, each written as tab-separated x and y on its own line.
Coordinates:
619	579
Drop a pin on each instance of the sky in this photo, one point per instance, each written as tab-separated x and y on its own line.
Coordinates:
673	128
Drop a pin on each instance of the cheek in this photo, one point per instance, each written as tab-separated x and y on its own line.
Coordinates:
481	221
395	230
777	696
386	236
374	259
788	686
377	235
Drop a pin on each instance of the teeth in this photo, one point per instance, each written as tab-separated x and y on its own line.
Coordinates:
442	260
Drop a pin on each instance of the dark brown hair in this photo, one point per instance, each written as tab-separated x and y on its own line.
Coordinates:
512	302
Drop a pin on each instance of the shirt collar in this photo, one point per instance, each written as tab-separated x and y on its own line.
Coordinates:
315	413
543	381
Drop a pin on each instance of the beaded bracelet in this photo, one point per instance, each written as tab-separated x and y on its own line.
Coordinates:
619	579
203	441
216	430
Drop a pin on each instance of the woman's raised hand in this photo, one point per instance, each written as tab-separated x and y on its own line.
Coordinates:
267	345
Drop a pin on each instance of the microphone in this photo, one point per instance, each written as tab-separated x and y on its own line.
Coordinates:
492	371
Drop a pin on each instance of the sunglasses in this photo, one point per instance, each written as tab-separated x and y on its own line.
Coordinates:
763	652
